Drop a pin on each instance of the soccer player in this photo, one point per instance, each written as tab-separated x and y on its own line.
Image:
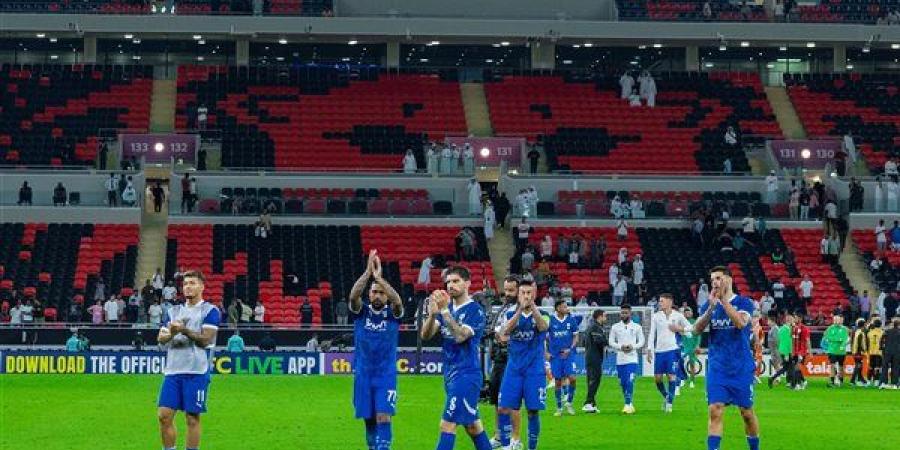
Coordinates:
859	349
875	354
626	338
524	377
500	357
376	325
800	337
461	322
595	342
662	348
836	337
562	345
690	343
731	369
189	334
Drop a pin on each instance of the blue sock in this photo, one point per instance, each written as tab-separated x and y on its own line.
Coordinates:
383	436
571	391
448	440
753	442
712	442
534	430
194	448
371	433
662	389
559	393
481	441
672	386
504	423
626	390
168	448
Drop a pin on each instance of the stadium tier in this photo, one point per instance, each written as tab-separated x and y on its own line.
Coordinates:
585	125
688	11
182	7
865	106
324	201
326	261
319	117
661	203
61	263
53	113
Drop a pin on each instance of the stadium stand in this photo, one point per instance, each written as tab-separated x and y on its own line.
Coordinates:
664	203
324	200
584	125
865	106
687	11
888	274
325	259
319	117
53	113
182	7
59	263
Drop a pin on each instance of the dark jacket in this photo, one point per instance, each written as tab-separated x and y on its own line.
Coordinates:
595	340
892	341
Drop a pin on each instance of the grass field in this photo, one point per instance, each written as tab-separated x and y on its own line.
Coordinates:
58	412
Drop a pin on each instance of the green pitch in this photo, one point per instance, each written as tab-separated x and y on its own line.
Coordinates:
58	412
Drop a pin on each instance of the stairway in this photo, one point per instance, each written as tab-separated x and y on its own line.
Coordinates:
856	270
478	116
502	248
785	113
162	109
154	229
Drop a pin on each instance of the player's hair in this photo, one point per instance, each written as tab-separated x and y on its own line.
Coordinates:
667	295
526	281
460	271
557	303
597	313
725	271
195	274
625	306
512	279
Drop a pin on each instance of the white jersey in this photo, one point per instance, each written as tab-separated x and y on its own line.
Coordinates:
183	356
622	334
661	338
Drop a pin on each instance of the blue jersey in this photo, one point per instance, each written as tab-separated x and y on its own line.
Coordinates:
526	345
562	333
375	340
730	355
463	359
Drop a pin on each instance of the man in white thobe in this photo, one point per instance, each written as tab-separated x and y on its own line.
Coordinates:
474	189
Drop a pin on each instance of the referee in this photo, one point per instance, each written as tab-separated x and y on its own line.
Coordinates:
500	353
594	349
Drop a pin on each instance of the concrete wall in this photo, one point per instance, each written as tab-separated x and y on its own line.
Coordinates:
548	187
81	214
91	185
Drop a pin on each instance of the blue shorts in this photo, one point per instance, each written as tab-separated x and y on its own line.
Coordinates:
461	406
626	372
373	396
729	393
184	392
666	362
517	387
562	367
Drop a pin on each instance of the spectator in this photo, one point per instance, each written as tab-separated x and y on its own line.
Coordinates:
547	247
306	312
267	344
342	311
155	313
533	157
778	289
59	195
626	82
707	11
881	236
137	342
234	312
134	307
112	190
120	304
502	207
202	116
766	303
468	156
474	189
96	311
425	271
129	196
490	221
246	313
27	312
637	270
865	306
185	192
235	343
258	7
25	195
746	13
159	196
103	155
731	139
823	248
620	289
648	88
73	344
524	229
169	292
74	312
527	259
622	230
148	294
259	312
857	194
613	274
806	288
431	160
893	193
100	290
111	308
312	345
772	188
201	159
409	162
895	236
777	256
